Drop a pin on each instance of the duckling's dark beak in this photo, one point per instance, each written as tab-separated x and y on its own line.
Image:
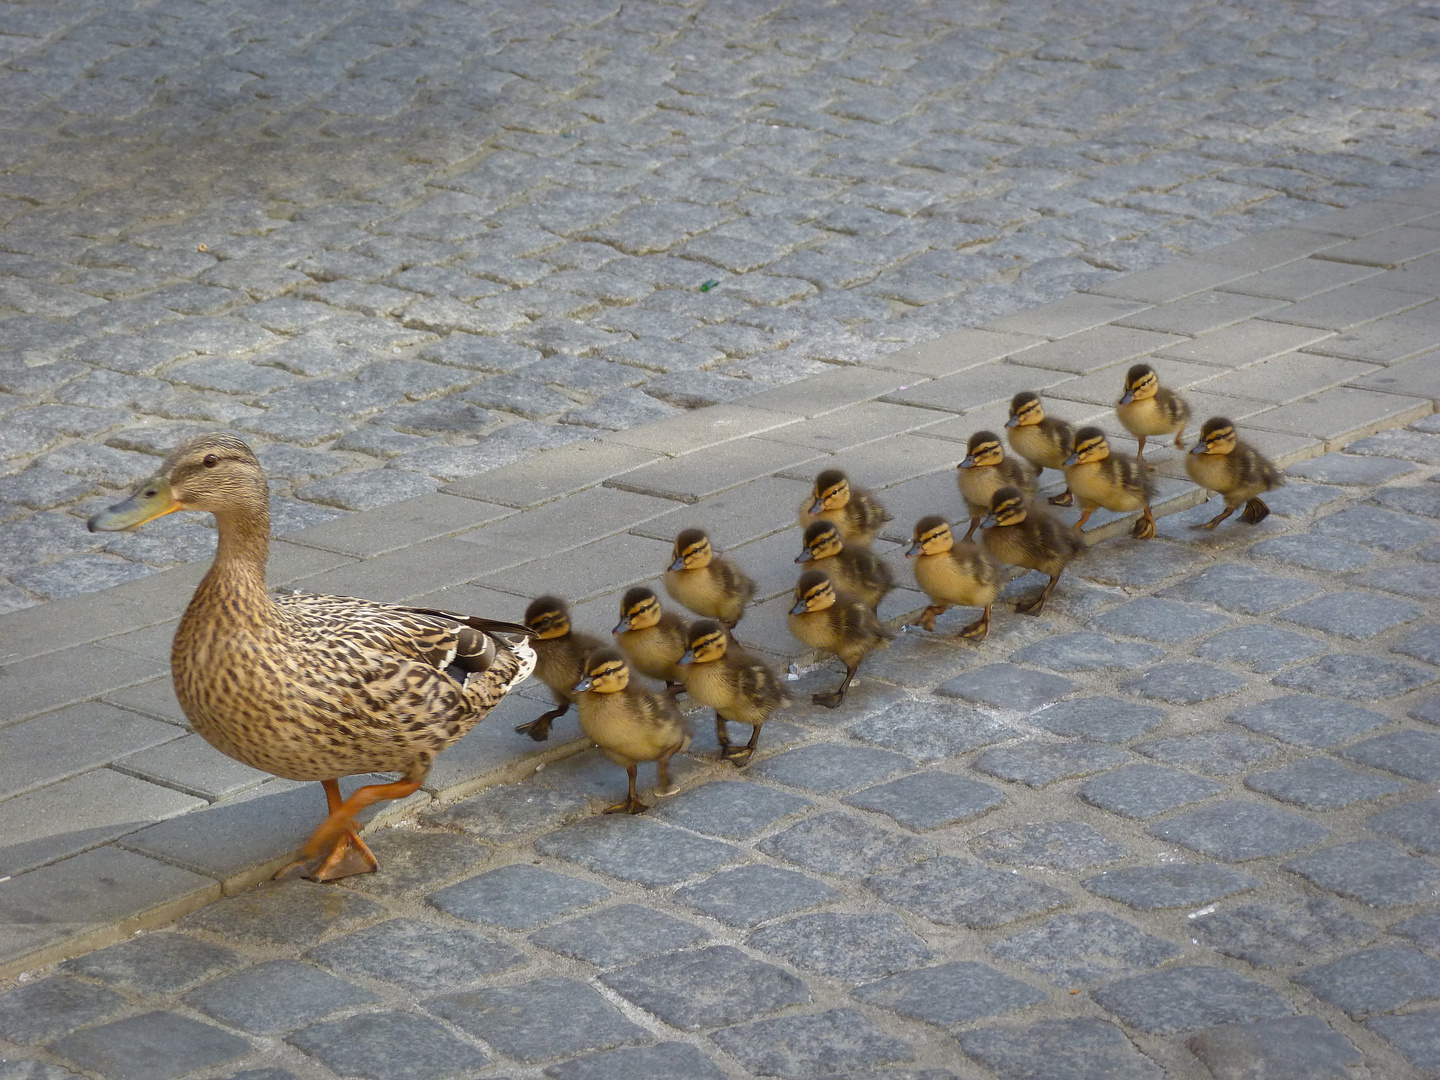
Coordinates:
153	500
989	521
799	608
1014	421
679	563
687	658
584	684
804	556
1198	448
622	625
1073	459
1127	397
968	463
916	548
818	507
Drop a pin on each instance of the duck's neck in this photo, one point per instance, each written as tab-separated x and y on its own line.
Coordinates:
238	573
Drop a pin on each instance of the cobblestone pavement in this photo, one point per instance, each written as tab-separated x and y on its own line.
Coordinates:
402	244
1184	824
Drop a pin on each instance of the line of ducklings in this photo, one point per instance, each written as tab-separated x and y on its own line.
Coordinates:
839	591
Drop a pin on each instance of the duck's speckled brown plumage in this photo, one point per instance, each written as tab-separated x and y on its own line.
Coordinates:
313	687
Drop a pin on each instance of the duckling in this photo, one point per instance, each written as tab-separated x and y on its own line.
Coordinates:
560	658
951	573
1042	440
1022	535
825	619
857	513
1225	463
857	571
985	471
652	639
740	687
1147	408
1101	477
706	583
629	723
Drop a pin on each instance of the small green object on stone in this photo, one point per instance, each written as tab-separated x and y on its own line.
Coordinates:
706	286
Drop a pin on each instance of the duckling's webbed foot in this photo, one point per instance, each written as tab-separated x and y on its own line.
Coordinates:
1217	519
836	696
539	728
740	756
1255	511
1145	527
632	803
926	621
1065	498
674	689
978	629
1037	605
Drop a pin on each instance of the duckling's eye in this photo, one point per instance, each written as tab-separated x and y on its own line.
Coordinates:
210	461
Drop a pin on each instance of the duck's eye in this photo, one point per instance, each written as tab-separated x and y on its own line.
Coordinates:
210	461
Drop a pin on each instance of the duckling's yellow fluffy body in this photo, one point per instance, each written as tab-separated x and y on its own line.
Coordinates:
823	619
629	724
1022	535
1044	441
710	586
856	512
954	573
560	652
857	571
1100	477
1147	408
652	639
985	470
1223	462
739	686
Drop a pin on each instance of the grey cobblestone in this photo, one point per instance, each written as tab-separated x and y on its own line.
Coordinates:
571	221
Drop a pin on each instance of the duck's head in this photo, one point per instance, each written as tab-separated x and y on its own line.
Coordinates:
932	537
822	540
605	673
707	641
1090	445
639	610
215	472
832	491
1025	409
1217	436
1007	507
983	449
692	550
813	592
1141	383
549	617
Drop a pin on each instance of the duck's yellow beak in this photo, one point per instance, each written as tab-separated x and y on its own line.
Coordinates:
153	500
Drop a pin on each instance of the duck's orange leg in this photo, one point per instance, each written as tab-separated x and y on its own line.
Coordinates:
335	849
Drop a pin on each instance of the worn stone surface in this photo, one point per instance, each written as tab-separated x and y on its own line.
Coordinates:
707	988
500	1016
385	1044
1292	1043
1071	949
951	993
1060	1048
1370	871
1282	934
1185	998
1240	831
1149	887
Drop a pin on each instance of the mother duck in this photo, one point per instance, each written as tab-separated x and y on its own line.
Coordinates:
314	687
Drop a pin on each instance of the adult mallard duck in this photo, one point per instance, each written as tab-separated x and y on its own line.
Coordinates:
314	687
